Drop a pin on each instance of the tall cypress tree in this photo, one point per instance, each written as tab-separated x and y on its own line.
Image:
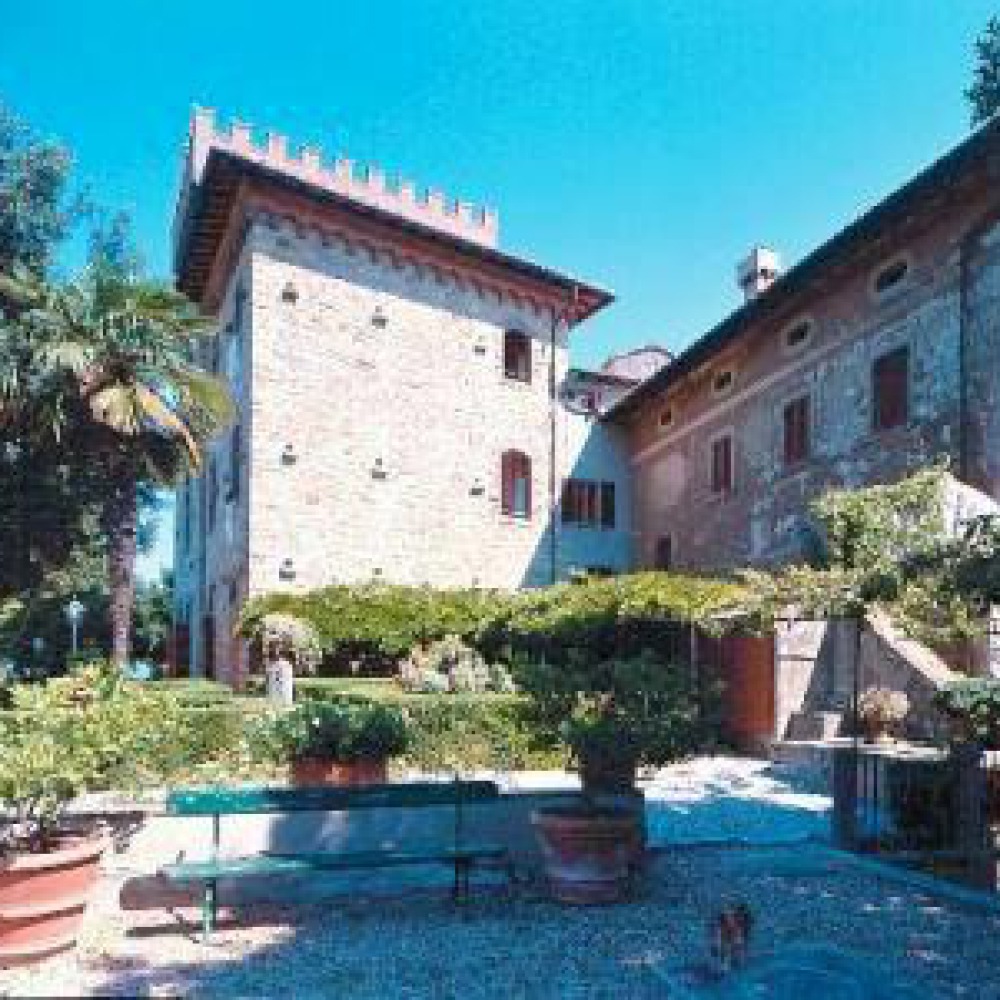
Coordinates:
984	94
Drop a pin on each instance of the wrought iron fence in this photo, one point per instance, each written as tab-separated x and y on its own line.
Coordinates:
934	809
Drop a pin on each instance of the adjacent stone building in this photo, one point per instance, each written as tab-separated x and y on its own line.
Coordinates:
406	407
875	355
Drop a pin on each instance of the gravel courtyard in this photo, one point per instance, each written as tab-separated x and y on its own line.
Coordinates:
417	944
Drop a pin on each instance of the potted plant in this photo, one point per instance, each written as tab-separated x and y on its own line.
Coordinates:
85	732
614	715
880	712
344	742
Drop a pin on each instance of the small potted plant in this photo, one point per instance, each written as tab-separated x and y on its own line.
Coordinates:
84	732
614	715
880	712
344	742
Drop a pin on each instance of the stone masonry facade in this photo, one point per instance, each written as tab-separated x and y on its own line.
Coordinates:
374	411
364	330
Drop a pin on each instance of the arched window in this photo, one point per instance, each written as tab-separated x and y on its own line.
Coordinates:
515	478
517	356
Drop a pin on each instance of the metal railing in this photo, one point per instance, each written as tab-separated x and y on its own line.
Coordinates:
934	809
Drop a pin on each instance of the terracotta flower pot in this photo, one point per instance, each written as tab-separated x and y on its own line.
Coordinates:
346	773
589	852
43	897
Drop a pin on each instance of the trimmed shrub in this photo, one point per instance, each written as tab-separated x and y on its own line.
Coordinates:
344	730
192	691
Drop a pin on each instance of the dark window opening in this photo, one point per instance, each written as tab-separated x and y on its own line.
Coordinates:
517	356
891	389
588	504
213	493
891	275
235	464
722	465
663	557
515	491
798	334
723	381
796	431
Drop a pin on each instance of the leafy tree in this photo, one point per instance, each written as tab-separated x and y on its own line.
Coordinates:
101	367
984	94
34	214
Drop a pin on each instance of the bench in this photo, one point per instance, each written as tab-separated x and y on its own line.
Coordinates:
459	853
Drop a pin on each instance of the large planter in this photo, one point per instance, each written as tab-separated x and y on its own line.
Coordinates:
589	852
346	773
43	897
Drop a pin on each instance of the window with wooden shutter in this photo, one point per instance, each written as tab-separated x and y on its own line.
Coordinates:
517	356
515	476
796	431
891	389
588	504
722	465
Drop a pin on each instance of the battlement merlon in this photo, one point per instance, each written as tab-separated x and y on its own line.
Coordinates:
365	184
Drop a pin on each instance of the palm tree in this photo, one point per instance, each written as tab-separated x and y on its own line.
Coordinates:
103	367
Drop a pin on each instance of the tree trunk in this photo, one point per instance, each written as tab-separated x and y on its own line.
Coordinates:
120	524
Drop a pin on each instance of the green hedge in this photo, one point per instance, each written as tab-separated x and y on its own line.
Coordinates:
452	731
449	731
193	690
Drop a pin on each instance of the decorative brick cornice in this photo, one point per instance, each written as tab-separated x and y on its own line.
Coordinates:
366	184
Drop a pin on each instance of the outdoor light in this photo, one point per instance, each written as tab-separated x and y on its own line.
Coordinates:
287	570
74	612
288	456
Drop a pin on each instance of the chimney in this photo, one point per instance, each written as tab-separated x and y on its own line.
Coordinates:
758	272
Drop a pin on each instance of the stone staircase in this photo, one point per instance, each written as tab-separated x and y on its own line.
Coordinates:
821	677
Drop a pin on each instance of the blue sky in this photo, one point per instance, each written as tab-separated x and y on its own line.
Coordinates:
644	144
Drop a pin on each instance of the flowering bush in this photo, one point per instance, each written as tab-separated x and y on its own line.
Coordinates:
881	709
449	665
343	730
286	635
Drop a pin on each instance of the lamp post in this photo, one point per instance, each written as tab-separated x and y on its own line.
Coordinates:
74	612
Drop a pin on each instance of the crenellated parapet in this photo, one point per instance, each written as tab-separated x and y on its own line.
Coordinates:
365	184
